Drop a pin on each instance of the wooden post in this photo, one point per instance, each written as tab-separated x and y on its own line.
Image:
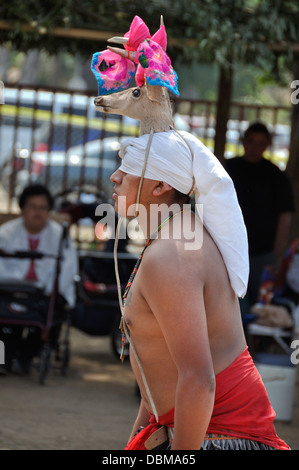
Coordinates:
225	85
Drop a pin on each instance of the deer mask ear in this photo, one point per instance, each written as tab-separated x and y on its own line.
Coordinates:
154	92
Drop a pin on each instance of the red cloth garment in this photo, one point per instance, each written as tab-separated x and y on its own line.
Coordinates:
31	274
241	409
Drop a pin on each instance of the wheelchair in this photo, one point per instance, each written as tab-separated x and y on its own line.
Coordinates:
97	311
24	305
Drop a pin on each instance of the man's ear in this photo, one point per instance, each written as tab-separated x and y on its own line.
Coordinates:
161	188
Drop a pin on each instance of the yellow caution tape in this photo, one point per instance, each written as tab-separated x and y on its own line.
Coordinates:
71	119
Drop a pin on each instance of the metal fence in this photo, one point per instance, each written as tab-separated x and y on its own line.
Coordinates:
201	118
58	138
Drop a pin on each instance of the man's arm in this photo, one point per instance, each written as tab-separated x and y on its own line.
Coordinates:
174	293
141	420
285	208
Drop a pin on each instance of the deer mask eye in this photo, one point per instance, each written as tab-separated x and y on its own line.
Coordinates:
136	93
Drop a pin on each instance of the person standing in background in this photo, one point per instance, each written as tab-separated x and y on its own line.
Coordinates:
266	199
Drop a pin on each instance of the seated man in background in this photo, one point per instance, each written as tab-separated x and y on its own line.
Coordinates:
34	231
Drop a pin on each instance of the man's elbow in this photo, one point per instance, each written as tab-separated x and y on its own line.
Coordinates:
198	381
207	383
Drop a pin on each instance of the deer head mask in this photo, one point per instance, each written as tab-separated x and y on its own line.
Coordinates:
114	68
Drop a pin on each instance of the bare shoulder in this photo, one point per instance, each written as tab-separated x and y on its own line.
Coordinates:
173	261
170	262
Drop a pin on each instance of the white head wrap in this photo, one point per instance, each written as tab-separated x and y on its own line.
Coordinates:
181	160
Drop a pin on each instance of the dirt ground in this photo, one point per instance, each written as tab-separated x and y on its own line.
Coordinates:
91	408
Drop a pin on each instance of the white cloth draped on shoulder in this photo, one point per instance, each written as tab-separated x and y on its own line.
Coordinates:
182	161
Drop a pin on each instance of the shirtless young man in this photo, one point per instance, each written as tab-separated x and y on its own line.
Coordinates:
184	321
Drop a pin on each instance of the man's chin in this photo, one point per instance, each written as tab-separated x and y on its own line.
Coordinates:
35	228
119	211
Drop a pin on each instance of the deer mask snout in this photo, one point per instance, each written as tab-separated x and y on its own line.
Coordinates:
98	100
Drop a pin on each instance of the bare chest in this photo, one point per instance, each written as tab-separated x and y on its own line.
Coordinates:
137	313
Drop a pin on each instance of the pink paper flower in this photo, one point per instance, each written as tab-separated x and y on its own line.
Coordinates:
137	33
112	71
160	37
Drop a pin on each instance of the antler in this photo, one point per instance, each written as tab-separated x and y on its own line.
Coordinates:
124	40
118	39
123	52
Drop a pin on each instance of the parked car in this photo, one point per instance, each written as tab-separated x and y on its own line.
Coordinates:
34	121
61	135
88	165
62	160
